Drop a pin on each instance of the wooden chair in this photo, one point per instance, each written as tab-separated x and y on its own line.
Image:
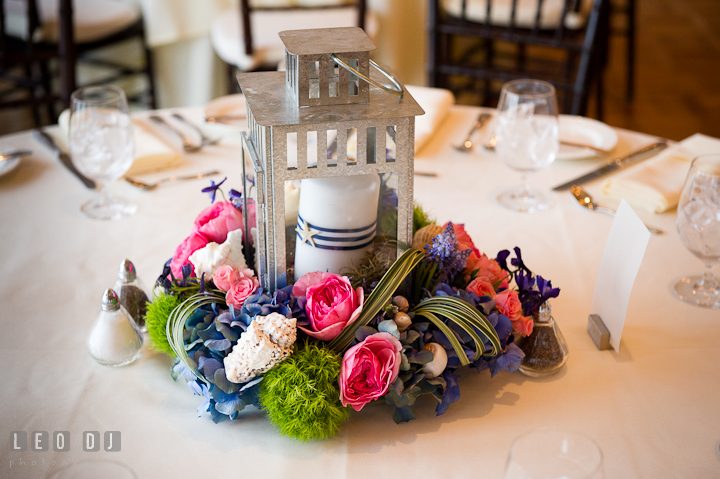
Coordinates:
249	40
627	9
476	45
33	33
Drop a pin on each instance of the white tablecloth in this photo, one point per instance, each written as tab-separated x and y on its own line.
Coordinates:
654	408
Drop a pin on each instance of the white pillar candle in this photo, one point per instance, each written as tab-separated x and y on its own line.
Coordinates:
336	222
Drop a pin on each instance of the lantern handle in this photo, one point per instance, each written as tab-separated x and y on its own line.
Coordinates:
400	91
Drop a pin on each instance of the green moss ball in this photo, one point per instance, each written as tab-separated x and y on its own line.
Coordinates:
301	394
156	320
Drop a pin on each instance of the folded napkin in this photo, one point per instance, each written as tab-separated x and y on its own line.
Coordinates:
656	184
151	152
435	101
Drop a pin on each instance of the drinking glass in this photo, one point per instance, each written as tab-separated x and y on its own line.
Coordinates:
698	222
101	145
527	135
554	454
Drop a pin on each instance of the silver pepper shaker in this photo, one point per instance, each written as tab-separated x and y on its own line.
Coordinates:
115	339
132	292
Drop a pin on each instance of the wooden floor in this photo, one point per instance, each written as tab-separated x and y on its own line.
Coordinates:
677	80
677	91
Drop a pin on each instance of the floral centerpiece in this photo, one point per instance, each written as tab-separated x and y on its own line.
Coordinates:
330	342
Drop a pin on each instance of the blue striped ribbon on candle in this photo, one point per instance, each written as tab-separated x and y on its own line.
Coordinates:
338	239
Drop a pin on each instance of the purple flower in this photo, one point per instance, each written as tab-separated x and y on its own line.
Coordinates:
444	251
212	189
236	199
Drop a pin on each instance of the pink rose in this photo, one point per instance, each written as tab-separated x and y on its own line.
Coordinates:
489	268
331	303
191	244
481	286
508	303
225	276
246	285
215	221
368	369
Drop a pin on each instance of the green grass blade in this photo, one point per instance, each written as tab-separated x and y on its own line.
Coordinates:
457	346
379	297
176	325
465	316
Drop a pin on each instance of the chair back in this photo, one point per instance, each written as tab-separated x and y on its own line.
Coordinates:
19	48
571	29
248	6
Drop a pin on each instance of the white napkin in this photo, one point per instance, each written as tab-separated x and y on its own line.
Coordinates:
151	152
655	185
435	101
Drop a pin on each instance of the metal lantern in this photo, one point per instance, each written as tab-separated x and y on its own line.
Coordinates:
303	125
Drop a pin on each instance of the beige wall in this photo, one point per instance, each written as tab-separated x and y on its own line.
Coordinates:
401	40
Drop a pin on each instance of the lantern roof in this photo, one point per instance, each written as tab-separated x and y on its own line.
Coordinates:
326	40
272	104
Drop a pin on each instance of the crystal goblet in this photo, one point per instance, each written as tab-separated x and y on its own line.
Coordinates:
698	223
527	135
101	145
554	454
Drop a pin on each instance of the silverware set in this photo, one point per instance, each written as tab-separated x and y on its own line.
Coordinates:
467	145
583	197
482	120
586	201
151	186
64	157
188	146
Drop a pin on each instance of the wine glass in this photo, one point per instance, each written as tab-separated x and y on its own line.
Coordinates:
698	222
554	454
101	145
527	136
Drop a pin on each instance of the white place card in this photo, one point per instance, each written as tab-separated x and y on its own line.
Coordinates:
619	266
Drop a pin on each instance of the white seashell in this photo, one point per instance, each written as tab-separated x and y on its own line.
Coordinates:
402	320
435	367
267	341
401	303
212	256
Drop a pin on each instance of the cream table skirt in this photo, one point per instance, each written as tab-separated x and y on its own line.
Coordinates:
654	408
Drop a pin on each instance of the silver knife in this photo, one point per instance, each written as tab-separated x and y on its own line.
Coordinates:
43	137
11	155
616	165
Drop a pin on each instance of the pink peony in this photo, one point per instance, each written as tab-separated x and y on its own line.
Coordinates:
215	221
225	276
481	286
331	303
508	303
368	369
191	244
246	285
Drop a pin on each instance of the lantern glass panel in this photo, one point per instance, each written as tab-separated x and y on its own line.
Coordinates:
334	223
253	209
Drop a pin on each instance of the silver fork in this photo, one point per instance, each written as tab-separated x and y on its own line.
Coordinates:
187	146
467	145
155	184
203	139
492	141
